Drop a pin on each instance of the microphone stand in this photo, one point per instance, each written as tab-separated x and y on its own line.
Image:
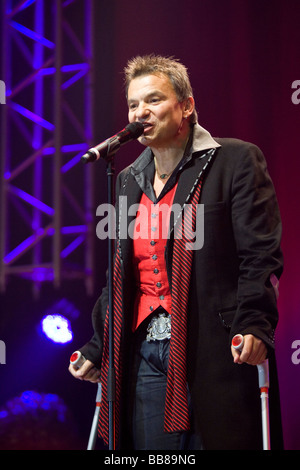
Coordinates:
110	171
136	129
114	146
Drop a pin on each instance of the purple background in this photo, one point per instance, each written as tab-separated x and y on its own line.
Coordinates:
243	57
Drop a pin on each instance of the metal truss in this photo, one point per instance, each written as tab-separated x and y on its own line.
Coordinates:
46	231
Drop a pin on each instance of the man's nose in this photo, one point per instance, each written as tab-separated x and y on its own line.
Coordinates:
142	111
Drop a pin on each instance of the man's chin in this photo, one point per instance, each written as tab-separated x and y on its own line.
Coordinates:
144	140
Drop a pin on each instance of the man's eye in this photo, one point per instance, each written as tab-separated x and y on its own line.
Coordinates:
132	106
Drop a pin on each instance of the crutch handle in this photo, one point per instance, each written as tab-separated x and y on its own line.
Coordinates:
77	359
263	368
238	342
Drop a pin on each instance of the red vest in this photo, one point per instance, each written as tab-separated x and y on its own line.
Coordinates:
150	238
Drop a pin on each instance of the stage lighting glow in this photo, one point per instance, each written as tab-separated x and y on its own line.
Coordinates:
57	328
34	402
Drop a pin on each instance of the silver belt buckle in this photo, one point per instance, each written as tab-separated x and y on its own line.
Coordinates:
159	328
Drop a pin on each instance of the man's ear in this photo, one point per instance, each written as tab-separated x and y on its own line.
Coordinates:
189	106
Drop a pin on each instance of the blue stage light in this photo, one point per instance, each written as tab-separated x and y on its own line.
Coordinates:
57	328
34	403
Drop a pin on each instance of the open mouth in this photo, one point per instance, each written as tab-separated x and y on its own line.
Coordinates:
147	127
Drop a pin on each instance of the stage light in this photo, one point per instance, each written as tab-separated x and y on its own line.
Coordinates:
56	321
57	328
31	400
38	421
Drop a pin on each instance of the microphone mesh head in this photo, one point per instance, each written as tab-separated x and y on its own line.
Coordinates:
135	129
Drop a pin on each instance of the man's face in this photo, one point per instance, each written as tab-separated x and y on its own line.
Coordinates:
152	101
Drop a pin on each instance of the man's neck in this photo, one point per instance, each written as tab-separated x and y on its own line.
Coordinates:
166	159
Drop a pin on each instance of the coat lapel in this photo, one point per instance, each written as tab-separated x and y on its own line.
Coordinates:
188	177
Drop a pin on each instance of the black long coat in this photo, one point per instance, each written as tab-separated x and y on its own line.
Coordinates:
230	291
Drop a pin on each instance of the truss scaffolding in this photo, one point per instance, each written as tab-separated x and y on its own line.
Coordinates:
47	229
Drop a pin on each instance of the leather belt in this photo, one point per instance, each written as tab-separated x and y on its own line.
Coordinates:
159	327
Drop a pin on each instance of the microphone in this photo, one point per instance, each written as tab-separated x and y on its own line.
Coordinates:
110	146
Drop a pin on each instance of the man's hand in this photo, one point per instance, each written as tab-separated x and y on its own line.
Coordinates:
254	351
87	371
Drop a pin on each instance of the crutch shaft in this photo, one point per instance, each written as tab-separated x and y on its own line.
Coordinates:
263	382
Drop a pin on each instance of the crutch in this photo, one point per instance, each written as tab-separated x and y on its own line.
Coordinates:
77	359
93	433
263	383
